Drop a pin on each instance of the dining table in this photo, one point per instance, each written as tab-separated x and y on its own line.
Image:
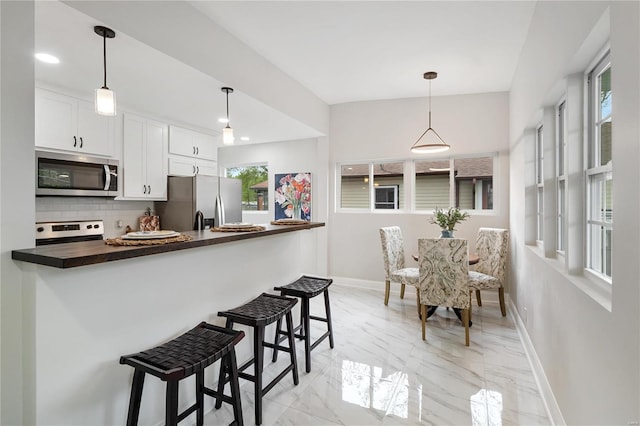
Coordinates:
473	258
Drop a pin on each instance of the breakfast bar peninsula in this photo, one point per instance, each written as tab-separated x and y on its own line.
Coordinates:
88	303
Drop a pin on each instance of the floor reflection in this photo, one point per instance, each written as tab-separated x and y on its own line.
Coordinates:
365	385
486	408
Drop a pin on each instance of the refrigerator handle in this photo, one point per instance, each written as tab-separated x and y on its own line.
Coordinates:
219	211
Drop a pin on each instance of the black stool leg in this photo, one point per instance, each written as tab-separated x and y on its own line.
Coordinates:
306	333
136	397
276	340
200	398
230	361
222	376
327	308
172	403
292	347
258	353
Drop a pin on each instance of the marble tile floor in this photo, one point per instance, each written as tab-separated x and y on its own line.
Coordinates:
382	373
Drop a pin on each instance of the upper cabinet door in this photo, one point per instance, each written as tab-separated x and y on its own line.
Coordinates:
157	137
96	132
70	124
192	144
56	121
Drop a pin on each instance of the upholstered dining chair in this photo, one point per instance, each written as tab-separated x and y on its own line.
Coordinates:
394	266
490	272
444	277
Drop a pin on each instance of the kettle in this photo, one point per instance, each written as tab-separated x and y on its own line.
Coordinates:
198	225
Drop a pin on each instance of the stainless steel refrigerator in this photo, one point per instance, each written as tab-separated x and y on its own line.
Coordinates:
200	202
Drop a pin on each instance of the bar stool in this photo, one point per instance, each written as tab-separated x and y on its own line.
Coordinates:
180	358
305	288
258	313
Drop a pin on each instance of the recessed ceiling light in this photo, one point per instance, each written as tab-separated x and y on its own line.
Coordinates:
245	138
222	120
439	169
47	58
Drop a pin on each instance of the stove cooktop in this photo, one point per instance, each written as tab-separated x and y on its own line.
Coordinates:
71	231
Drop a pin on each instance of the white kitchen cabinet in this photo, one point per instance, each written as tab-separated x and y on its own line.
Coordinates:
187	166
70	124
193	144
144	155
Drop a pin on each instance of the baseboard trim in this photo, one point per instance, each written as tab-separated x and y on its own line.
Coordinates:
549	400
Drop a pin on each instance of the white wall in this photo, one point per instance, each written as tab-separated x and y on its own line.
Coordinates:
375	130
309	155
590	354
16	201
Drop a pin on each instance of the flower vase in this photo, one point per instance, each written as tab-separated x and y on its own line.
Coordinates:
296	213
446	234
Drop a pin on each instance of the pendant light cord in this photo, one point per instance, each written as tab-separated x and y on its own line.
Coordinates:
429	104
104	57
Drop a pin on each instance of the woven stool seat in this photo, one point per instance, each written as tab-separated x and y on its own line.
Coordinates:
258	313
262	310
305	288
182	357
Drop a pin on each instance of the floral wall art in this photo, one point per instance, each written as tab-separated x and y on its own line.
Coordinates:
293	196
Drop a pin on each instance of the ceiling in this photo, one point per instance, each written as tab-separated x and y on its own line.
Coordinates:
343	51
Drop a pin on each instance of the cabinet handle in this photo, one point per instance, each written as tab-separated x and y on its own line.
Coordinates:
81	142
75	141
194	169
197	150
149	191
144	191
197	170
194	150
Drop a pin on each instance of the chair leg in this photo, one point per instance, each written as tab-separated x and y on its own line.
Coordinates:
136	397
327	310
402	286
307	336
171	408
387	289
478	298
424	321
232	366
418	301
274	358
465	321
503	308
200	398
258	356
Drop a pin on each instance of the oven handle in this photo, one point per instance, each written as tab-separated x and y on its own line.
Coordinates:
107	174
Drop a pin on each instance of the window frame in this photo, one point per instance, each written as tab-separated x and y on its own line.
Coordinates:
408	205
561	176
539	178
592	170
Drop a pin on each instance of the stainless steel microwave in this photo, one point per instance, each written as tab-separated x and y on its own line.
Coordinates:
75	175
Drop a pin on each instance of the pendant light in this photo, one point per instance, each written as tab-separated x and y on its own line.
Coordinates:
105	98
430	141
227	132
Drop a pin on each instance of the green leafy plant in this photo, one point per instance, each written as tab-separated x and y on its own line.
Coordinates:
447	220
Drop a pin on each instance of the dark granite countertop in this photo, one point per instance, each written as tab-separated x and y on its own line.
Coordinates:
71	255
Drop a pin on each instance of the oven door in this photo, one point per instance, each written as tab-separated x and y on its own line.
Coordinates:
70	175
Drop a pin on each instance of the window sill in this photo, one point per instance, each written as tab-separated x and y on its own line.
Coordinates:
591	284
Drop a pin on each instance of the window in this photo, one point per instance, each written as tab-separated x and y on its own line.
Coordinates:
560	176
255	186
467	183
473	178
540	185
388	184
432	184
386	197
599	169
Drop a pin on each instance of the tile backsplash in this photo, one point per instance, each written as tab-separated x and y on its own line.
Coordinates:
51	209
